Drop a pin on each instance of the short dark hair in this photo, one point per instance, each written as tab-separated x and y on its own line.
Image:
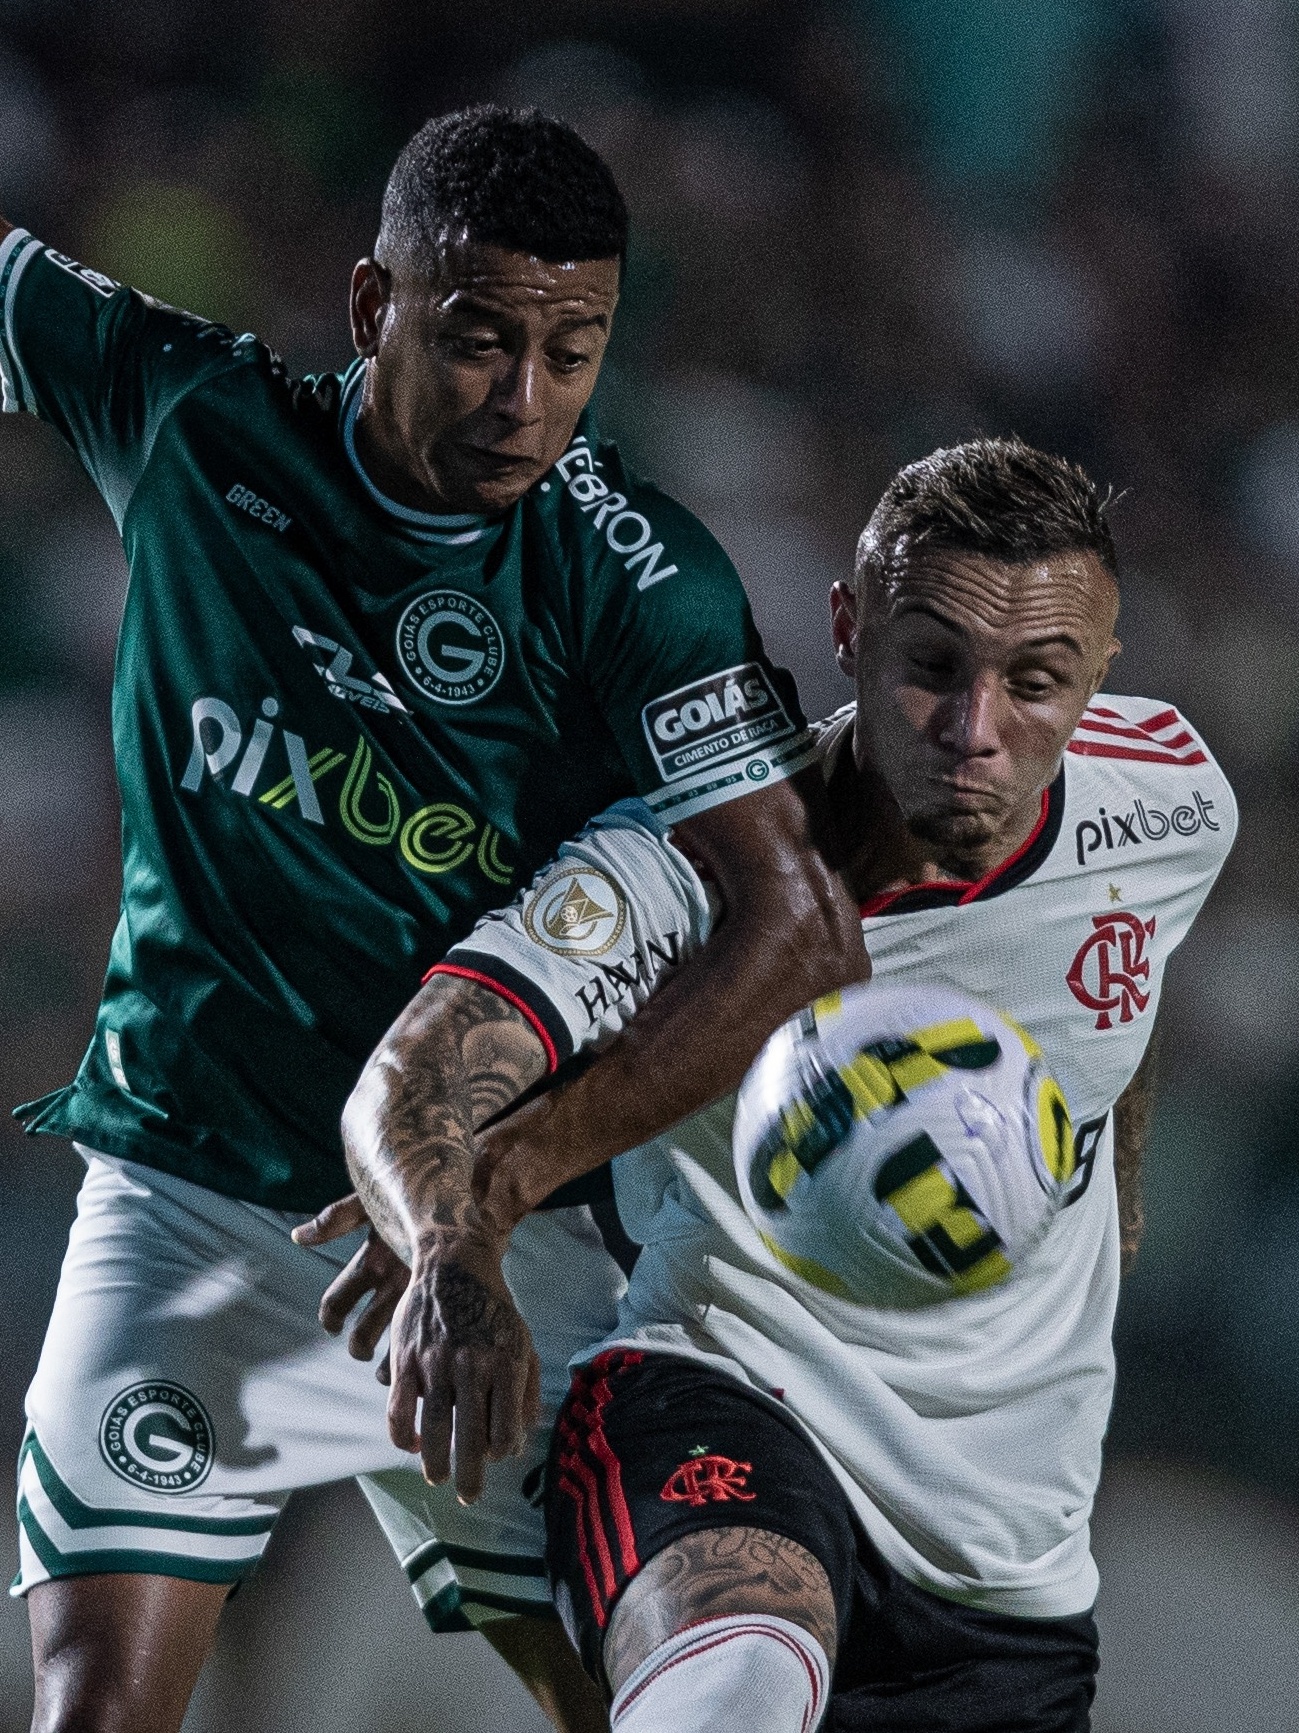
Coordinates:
997	497
506	177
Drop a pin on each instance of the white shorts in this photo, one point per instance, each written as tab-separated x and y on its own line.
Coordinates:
186	1388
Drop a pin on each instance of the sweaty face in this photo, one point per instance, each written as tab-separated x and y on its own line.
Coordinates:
971	676
477	374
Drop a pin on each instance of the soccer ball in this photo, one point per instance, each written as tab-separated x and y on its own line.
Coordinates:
897	1145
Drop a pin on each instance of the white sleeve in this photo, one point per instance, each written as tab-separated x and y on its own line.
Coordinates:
582	949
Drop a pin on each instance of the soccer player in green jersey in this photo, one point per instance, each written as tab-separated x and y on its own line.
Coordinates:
390	636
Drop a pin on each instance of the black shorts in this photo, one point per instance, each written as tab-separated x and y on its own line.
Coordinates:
649	1447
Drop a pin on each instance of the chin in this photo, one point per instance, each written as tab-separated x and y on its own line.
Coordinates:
489	498
954	830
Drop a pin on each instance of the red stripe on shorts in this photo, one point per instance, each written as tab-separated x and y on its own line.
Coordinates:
599	1446
574	1492
571	1463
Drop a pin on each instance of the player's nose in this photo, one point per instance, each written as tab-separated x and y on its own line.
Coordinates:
518	394
971	720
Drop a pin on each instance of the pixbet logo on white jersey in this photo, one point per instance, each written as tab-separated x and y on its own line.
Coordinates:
1142	823
333	664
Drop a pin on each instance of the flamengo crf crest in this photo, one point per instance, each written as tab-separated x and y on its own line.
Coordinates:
709	1479
1112	971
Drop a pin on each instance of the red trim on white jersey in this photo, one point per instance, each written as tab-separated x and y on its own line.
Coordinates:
961	891
520	1005
1160	739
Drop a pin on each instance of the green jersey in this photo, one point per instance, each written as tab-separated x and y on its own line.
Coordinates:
345	729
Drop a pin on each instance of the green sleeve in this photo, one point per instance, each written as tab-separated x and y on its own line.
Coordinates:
669	645
103	364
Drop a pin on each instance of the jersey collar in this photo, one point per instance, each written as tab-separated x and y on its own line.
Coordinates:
956	893
452	531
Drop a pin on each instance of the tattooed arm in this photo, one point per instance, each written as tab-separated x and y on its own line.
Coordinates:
457	1055
1132	1113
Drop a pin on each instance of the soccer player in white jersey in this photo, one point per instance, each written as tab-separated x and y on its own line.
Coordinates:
756	1488
391	635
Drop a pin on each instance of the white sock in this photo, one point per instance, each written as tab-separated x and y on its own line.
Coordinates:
751	1672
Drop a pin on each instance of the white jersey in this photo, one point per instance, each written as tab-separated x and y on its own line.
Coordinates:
966	1435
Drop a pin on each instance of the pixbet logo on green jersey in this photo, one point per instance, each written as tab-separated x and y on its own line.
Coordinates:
438	837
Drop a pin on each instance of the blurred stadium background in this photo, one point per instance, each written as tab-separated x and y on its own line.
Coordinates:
862	228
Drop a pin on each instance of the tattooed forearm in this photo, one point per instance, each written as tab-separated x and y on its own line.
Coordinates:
710	1574
1132	1113
457	1055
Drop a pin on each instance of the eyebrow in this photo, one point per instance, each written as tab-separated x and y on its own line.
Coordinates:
1066	639
464	302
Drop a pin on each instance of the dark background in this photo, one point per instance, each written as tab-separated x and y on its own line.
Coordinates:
863	228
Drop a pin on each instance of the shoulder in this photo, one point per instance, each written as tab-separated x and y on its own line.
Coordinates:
606	520
236	379
175	341
1137	731
1140	761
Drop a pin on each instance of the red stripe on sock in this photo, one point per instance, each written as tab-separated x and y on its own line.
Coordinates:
703	1646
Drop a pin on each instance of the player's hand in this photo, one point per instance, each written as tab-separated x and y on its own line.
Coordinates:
375	1270
343	1216
459	1346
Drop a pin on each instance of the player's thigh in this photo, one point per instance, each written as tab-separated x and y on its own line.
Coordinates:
716	1573
677	1493
184	1389
470	1564
119	1653
540	1654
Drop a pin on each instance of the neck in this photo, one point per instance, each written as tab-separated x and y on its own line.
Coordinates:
883	854
385	471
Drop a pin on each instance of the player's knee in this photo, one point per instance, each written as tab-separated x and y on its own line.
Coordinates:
755	1671
74	1696
717	1573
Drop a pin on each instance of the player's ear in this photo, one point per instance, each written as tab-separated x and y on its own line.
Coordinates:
371	292
843	626
1113	649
